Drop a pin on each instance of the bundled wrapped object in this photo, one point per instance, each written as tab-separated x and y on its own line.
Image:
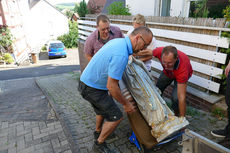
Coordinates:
150	103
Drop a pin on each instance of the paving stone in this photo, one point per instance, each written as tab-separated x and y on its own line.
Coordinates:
4	125
28	137
41	135
64	142
42	125
25	143
21	131
55	143
68	151
3	151
20	144
12	150
35	131
79	117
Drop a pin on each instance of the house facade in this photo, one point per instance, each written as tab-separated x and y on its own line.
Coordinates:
32	24
174	8
178	8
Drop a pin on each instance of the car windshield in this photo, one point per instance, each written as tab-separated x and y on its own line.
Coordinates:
56	45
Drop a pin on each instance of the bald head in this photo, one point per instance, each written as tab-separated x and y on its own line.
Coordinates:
144	31
140	38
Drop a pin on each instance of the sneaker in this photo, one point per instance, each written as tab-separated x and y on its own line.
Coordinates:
102	148
96	135
219	133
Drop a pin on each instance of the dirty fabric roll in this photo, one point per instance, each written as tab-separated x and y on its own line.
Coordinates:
149	101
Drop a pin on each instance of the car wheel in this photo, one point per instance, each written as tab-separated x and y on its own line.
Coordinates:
50	57
65	56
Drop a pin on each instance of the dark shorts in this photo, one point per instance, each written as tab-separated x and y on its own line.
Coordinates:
103	104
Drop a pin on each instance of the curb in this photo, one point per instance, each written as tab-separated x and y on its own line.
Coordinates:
74	148
8	66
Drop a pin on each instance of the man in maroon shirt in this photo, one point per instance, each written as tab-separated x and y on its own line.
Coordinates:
177	68
99	37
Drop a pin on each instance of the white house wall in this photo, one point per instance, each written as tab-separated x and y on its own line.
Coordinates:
146	7
42	23
179	8
186	8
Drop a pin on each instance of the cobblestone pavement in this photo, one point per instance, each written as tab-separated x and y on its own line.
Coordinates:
79	117
27	122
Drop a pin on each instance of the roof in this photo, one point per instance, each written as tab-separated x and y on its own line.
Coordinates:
96	6
32	3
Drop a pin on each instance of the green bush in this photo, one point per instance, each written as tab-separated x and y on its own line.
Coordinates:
69	14
70	39
8	58
81	9
218	112
118	8
199	9
216	11
226	12
44	48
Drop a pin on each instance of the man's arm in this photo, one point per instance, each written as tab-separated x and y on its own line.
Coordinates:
88	48
181	94
115	91
227	69
88	57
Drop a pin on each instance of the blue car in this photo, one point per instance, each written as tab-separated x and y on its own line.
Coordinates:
56	49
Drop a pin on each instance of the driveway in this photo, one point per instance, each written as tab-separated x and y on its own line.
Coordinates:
43	67
71	59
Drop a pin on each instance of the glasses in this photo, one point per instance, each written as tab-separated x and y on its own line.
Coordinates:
145	44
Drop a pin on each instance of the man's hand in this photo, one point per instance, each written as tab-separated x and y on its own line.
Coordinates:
146	52
129	107
115	92
227	69
144	55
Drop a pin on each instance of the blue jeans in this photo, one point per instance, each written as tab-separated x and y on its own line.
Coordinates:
162	83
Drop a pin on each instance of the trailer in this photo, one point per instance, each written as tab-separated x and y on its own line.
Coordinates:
192	142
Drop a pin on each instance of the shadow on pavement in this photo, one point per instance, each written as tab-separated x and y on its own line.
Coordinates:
37	71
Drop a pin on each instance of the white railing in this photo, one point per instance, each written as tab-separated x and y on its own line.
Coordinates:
206	56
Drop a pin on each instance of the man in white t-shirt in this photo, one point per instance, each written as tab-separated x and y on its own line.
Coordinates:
139	20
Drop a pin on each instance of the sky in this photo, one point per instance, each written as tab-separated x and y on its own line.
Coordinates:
64	1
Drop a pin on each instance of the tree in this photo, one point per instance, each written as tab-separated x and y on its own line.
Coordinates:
199	9
70	39
118	8
69	13
81	9
227	12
